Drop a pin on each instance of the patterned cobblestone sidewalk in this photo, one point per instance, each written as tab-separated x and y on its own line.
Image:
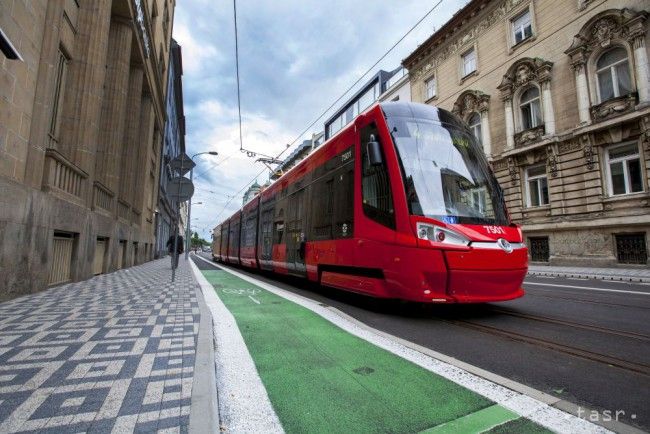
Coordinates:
115	353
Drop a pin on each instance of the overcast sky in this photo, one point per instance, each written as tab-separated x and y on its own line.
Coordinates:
296	57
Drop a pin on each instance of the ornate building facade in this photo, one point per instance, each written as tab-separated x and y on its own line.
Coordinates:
81	118
558	93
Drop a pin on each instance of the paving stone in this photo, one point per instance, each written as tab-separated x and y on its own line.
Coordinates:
113	353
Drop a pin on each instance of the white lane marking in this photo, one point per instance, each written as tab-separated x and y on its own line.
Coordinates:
588	288
545	277
524	405
244	405
253	299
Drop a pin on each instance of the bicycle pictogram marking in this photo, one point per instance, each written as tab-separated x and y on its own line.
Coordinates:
247	291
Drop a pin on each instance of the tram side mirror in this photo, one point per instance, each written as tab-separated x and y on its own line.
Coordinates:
373	148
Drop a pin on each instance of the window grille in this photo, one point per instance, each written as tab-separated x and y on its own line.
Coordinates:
631	249
539	249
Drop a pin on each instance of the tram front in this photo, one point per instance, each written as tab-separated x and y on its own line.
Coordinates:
456	205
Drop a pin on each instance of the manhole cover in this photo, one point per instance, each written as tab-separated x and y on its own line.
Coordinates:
364	370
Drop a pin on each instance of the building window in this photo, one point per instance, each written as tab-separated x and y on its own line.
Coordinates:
624	169
613	74
631	249
474	122
431	87
531	114
536	186
57	100
539	250
478	200
469	62
522	28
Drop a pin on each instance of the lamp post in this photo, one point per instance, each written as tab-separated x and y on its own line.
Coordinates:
189	205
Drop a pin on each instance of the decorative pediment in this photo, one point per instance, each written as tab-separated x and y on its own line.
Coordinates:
523	72
604	28
471	101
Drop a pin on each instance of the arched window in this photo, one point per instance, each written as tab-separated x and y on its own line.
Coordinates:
613	74
474	122
529	105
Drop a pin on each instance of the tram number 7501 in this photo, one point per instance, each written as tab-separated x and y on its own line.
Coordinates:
494	230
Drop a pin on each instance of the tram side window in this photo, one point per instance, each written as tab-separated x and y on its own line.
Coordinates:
375	184
279	232
322	209
279	227
267	233
250	232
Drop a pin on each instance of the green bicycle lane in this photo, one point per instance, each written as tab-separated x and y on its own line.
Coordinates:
320	378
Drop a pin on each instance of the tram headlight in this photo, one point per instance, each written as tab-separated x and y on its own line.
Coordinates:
438	234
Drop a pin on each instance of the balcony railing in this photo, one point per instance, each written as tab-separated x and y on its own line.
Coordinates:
62	175
613	107
123	210
102	197
529	136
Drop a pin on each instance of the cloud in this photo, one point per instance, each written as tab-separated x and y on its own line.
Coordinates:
296	58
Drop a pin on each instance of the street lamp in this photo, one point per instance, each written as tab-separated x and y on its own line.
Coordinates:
189	205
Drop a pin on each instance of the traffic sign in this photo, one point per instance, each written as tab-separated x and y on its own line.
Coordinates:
180	189
182	164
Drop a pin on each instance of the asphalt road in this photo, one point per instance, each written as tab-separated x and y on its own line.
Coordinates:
585	341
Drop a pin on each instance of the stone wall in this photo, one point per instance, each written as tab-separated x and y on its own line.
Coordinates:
80	121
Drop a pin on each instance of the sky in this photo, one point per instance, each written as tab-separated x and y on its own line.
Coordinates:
296	57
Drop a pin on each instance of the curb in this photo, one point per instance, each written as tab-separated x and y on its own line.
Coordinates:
204	408
636	279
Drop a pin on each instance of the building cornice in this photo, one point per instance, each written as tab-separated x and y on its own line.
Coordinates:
457	34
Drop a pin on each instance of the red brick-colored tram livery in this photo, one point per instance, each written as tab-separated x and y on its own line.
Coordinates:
400	204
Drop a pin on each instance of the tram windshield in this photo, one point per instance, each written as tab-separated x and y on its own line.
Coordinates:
446	174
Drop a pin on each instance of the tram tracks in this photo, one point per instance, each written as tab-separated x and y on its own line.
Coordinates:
561	322
639	368
580	300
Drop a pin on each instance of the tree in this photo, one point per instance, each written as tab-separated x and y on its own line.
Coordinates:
198	242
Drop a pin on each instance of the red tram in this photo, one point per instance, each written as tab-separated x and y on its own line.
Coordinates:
399	204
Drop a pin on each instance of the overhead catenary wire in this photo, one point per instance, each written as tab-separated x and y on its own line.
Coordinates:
248	153
241	140
383	56
364	74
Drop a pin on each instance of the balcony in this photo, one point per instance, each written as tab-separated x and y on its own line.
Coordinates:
613	107
102	197
123	210
529	136
63	177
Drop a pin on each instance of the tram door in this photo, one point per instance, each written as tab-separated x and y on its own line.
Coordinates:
296	233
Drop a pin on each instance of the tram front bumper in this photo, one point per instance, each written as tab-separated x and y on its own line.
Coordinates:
484	275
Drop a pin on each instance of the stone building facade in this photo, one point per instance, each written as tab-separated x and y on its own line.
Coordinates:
558	93
80	135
